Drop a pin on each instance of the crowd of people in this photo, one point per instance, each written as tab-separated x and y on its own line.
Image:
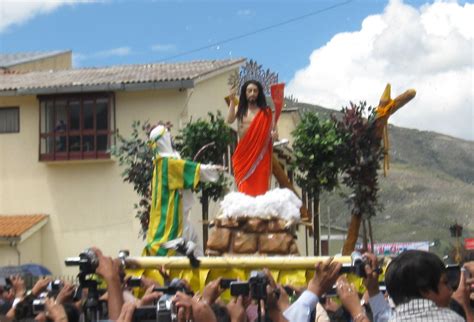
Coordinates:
416	285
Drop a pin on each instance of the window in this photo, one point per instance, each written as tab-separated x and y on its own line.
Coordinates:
9	119
75	127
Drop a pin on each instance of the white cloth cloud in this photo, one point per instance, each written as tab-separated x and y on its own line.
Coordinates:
429	49
280	203
17	12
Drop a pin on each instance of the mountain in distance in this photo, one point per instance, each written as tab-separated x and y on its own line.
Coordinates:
429	187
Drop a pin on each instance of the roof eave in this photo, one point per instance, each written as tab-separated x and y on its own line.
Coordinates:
9	240
177	84
25	235
36	227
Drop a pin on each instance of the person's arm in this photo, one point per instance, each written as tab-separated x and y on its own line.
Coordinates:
191	308
275	133
273	306
19	290
236	309
380	308
211	292
324	277
274	128
210	172
149	297
301	310
202	312
65	294
55	311
126	314
350	300
232	112
40	286
109	270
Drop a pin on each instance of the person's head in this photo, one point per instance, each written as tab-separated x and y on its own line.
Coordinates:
161	136
416	274
251	93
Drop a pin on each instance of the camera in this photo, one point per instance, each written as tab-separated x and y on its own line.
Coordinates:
87	261
164	310
134	282
5	283
453	274
256	287
225	282
357	265
176	285
38	303
55	286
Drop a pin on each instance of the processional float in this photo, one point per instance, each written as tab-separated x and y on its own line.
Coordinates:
240	244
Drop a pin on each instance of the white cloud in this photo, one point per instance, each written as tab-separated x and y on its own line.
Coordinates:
119	51
429	49
16	12
163	47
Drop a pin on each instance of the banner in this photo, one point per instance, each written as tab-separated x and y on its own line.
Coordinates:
388	249
469	243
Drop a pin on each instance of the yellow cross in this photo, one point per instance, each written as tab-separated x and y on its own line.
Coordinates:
388	106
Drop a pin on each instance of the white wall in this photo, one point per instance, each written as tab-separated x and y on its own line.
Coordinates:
87	201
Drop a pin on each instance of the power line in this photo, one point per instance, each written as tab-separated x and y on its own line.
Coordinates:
313	13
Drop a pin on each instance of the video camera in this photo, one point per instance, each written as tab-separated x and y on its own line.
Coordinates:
87	261
255	287
357	265
164	310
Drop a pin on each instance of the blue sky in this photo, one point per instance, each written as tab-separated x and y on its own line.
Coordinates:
150	31
129	32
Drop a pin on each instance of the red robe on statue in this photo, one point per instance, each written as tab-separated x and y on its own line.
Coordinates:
252	158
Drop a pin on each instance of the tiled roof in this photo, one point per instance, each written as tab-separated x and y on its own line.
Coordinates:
12	59
16	225
114	76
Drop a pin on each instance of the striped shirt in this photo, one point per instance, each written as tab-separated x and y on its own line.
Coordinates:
423	310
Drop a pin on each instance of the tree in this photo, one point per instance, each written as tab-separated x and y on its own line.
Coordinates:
363	153
206	142
318	158
136	155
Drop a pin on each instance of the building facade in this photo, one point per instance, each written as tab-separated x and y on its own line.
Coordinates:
57	129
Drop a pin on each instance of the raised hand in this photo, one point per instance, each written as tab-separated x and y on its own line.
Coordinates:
324	277
40	285
350	299
371	281
212	291
236	309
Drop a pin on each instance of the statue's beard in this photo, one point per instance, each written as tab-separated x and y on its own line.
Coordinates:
252	100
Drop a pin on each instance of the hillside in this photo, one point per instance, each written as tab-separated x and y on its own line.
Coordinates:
430	186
